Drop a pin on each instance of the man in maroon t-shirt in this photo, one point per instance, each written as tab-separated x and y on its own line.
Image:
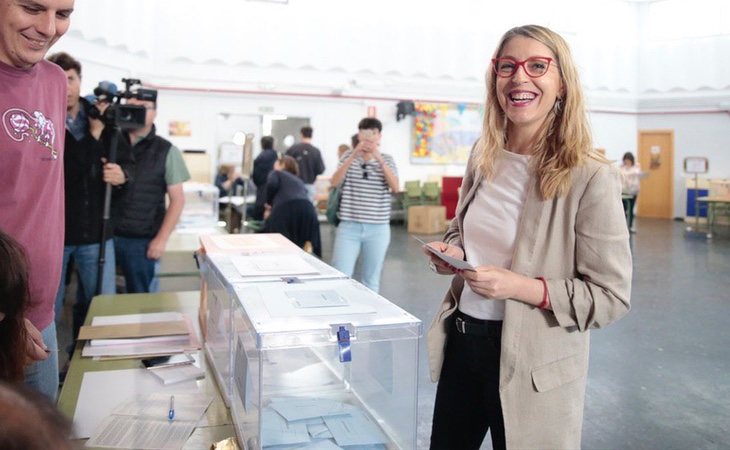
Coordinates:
33	111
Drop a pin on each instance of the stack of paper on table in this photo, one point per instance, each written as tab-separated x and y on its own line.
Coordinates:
142	339
176	373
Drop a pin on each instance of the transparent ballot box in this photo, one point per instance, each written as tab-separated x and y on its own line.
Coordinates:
215	321
201	206
322	360
227	262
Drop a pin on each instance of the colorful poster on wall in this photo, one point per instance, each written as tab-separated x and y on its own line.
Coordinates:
444	133
180	128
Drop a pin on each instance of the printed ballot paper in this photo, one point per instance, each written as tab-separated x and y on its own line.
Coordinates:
152	421
453	262
96	400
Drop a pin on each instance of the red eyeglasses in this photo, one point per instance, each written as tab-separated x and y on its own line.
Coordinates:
535	66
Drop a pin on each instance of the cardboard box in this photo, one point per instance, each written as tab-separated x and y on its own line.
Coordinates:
426	219
720	188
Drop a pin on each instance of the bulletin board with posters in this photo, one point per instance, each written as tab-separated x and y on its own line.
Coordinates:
444	133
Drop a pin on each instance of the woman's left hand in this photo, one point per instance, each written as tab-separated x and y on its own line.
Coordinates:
35	349
493	282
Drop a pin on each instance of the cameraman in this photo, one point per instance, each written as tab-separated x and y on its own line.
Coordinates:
143	225
85	178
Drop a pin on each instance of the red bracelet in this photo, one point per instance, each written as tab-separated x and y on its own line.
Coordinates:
545	298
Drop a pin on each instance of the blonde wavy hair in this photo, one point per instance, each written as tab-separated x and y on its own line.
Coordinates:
564	140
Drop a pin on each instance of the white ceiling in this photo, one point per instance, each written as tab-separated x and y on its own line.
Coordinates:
622	47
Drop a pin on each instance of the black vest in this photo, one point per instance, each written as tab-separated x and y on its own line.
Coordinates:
143	209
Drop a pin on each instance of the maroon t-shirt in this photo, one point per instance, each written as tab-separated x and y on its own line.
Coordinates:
33	111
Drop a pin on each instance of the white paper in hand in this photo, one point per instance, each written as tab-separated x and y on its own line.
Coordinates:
453	262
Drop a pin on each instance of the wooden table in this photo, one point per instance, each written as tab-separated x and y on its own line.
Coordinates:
187	302
715	204
178	261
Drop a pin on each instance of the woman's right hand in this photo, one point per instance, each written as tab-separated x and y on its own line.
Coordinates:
437	264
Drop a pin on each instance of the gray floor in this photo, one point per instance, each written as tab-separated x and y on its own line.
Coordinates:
659	378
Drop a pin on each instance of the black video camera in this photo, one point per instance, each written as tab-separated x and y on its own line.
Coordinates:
126	117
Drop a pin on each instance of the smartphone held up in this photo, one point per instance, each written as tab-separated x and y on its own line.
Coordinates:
368	139
369	134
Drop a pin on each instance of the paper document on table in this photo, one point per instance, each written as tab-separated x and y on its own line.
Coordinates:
97	400
132	341
155	421
141	433
137	318
316	299
140	349
132	330
297	300
453	262
248	242
280	265
187	406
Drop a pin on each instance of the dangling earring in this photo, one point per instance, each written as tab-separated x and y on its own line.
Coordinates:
558	106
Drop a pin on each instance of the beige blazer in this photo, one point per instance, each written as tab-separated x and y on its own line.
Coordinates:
580	244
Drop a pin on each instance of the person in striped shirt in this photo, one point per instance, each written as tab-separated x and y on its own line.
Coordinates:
367	177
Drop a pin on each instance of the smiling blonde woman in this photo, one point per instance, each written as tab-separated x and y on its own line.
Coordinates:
540	219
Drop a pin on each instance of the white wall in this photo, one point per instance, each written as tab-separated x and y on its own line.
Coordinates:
334	122
614	132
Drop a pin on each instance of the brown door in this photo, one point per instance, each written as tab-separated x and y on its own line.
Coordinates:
656	157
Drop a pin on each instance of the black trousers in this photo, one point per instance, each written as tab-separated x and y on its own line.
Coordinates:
629	204
467	397
297	221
